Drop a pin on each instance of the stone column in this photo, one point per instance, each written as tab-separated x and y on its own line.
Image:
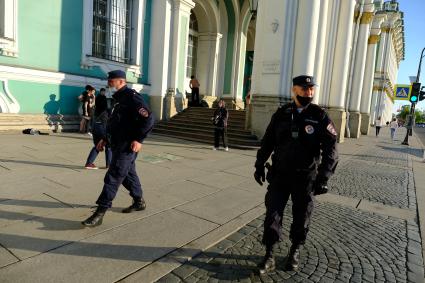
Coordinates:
176	94
159	55
208	48
306	37
272	70
369	74
340	67
380	74
354	121
323	36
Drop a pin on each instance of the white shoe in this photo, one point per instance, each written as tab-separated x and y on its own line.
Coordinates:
226	149
215	148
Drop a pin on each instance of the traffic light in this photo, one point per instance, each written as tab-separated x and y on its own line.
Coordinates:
421	95
414	95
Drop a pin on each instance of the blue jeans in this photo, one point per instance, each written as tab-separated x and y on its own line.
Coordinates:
94	152
392	133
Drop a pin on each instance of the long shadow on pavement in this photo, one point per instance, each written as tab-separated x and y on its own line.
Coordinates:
418	152
41	164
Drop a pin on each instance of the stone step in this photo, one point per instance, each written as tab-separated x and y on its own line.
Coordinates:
17	122
209	139
209	126
191	130
204	122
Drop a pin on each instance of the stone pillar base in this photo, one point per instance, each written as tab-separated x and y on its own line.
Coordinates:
233	104
210	100
262	109
365	126
354	124
157	104
339	118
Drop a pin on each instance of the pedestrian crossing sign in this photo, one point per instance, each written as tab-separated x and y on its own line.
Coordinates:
402	92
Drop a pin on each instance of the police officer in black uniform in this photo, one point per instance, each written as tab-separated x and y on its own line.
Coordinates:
303	140
129	124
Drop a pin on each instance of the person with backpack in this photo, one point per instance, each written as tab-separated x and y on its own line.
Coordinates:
100	120
221	116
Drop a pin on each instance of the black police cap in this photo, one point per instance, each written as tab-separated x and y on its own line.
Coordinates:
117	74
304	81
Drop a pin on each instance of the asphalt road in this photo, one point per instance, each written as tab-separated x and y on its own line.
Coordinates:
421	134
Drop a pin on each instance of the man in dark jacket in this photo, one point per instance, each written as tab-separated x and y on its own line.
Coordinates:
220	119
129	124
303	140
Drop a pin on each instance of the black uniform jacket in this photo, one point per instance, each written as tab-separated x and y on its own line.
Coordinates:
303	141
131	119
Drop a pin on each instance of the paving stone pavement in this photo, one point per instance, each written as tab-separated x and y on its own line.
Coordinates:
345	244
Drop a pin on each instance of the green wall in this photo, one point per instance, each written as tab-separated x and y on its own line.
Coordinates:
33	97
50	37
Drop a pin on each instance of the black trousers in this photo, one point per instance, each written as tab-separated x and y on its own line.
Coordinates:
220	133
378	128
122	170
299	186
195	96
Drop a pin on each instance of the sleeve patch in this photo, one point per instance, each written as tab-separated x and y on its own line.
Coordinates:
143	112
331	129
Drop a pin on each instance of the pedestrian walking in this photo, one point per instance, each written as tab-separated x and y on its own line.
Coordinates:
220	119
303	140
194	86
100	120
393	127
378	125
129	124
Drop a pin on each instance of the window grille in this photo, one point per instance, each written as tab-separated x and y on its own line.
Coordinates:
112	30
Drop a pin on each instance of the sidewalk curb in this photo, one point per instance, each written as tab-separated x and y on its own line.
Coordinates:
415	263
179	257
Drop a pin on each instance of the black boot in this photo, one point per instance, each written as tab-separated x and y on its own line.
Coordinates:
137	205
293	258
96	219
268	263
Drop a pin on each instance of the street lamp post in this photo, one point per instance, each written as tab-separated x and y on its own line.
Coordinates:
412	108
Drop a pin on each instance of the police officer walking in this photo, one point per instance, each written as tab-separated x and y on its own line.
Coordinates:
129	124
302	141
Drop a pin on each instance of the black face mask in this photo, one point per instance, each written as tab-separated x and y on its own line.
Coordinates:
304	101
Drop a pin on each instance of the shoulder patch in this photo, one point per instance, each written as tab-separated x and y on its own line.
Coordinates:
331	129
143	112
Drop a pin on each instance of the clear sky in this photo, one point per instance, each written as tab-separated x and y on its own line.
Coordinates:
414	28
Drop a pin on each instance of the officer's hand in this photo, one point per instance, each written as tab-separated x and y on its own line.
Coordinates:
136	146
100	145
260	175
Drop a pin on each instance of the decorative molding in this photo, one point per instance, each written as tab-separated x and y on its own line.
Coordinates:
8	103
367	18
386	29
48	77
373	39
9	29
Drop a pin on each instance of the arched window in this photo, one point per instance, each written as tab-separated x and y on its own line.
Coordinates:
192	50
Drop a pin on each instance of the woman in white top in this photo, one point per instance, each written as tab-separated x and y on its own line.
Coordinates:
393	127
378	125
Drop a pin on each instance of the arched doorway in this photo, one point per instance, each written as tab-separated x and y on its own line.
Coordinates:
203	47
